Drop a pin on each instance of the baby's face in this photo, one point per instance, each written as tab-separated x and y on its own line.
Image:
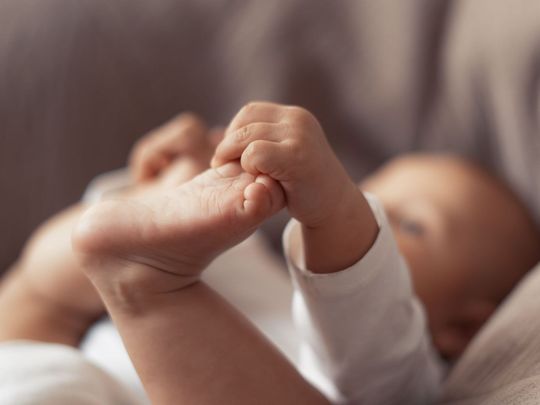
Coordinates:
466	238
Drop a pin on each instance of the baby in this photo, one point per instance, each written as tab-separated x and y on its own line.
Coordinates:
438	212
362	325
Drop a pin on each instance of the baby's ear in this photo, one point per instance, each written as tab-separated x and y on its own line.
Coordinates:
452	339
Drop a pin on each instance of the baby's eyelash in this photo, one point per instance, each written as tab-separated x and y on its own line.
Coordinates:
411	227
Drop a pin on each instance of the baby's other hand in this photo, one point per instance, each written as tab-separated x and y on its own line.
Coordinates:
288	144
185	142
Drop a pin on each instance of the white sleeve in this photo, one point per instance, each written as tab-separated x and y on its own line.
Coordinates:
364	334
53	374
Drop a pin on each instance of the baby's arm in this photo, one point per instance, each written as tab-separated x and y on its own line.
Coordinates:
363	329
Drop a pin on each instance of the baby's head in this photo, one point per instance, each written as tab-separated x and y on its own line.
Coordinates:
466	237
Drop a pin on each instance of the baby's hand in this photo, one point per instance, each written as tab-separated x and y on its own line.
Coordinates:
289	145
185	141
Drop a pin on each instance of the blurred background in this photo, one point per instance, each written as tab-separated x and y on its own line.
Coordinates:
81	80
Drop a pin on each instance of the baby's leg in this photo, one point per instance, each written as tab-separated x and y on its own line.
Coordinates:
53	298
187	343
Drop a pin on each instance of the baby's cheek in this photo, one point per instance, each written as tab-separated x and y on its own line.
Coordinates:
418	263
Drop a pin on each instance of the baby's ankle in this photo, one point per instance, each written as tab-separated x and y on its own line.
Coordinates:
132	286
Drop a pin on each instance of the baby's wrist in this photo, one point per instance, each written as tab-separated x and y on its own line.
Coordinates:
343	237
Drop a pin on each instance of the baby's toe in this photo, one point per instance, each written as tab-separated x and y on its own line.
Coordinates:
277	194
262	198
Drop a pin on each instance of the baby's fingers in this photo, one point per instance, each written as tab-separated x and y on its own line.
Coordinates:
258	111
236	141
267	157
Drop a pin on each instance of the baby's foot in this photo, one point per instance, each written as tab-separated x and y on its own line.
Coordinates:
184	137
162	242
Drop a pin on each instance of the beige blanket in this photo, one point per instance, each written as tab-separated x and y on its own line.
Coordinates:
502	366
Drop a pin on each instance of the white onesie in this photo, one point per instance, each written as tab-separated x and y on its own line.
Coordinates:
363	331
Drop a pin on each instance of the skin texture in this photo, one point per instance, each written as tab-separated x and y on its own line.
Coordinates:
467	239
